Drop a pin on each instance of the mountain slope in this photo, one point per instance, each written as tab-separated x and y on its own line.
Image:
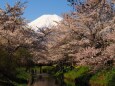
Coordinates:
45	21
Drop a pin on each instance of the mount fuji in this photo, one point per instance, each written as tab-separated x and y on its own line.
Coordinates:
45	21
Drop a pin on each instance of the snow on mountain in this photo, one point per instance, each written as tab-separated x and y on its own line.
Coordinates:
45	21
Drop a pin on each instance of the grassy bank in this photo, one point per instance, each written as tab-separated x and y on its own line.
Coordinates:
103	78
76	73
81	76
20	78
23	76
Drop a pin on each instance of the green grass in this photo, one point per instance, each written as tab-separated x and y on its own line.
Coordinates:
104	78
22	74
76	73
100	78
69	83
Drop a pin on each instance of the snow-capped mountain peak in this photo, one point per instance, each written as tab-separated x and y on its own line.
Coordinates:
45	21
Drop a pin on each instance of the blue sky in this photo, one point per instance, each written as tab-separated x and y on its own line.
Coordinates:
36	8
